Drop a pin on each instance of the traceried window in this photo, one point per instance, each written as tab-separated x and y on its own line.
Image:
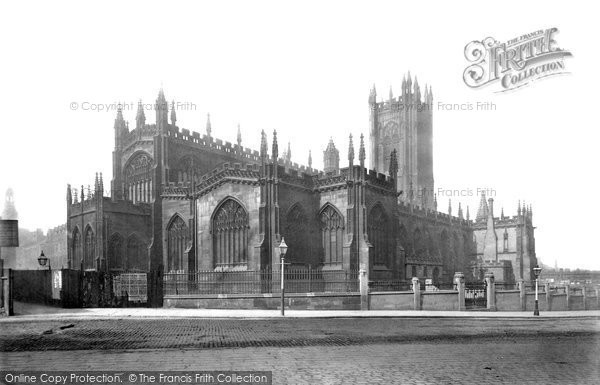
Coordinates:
505	243
138	178
177	242
378	230
332	230
89	250
230	227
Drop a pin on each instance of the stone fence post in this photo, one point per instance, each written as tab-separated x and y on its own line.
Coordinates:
364	289
416	286
568	291
548	296
491	291
459	280
585	307
522	297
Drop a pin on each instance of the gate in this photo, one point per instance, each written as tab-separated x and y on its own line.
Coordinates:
132	286
475	296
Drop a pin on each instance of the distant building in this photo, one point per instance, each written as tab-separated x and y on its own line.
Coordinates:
505	245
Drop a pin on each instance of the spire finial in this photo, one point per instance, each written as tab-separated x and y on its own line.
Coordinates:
449	201
263	145
502	213
391	94
288	153
460	211
361	151
468	214
309	159
435	205
239	136
275	151
140	117
482	213
350	151
208	125
173	115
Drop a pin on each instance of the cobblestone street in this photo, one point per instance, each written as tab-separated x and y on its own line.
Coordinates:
315	351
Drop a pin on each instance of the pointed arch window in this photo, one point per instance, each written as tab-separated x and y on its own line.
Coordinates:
230	226
135	254
138	178
332	230
76	250
115	252
177	242
378	233
89	251
505	243
296	233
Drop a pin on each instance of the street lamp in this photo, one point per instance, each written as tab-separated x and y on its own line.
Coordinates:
42	259
282	250
536	271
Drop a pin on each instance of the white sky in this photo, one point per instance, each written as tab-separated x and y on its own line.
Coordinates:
304	68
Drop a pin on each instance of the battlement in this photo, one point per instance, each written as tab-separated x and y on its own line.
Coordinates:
211	143
414	209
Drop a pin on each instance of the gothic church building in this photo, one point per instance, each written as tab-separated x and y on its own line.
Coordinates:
181	201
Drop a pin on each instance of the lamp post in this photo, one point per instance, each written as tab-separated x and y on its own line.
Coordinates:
536	271
282	250
42	259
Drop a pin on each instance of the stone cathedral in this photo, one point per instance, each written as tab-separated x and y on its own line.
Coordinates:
182	201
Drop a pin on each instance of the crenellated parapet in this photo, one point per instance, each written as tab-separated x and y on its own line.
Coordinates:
206	142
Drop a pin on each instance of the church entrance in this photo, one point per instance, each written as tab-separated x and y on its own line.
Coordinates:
475	296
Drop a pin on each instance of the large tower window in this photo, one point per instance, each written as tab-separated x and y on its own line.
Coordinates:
138	178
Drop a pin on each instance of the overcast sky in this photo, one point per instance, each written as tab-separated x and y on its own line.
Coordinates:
305	69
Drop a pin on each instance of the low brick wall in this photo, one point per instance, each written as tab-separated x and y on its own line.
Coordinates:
321	301
439	300
530	302
509	300
558	302
576	302
591	303
392	300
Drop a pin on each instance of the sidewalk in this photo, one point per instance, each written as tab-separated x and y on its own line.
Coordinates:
52	313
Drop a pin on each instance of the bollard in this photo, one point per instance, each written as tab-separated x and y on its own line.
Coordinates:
522	297
548	297
491	291
416	293
459	280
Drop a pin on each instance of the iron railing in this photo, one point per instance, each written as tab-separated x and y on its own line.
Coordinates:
297	280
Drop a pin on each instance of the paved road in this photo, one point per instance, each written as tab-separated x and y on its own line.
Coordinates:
320	351
571	360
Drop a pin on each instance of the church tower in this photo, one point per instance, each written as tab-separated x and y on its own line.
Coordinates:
404	124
